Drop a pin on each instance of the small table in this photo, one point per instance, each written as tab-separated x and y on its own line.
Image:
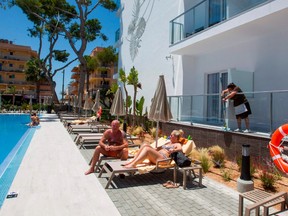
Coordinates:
187	171
256	196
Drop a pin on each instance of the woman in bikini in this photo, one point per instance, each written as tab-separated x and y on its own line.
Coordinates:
153	155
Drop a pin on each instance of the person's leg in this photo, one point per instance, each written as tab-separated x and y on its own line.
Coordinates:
147	153
98	150
247	124
239	122
140	150
123	155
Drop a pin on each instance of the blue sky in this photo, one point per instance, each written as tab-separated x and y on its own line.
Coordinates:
14	25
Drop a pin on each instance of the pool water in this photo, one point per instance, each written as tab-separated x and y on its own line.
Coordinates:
12	128
15	138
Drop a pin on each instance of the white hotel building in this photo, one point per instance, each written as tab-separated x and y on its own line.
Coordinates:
202	45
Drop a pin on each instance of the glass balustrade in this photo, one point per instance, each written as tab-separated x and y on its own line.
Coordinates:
268	110
206	14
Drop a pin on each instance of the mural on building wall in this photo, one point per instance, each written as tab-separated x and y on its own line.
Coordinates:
136	28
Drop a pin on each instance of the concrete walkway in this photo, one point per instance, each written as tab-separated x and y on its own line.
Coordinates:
51	179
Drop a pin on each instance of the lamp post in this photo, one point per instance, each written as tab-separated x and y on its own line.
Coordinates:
63	86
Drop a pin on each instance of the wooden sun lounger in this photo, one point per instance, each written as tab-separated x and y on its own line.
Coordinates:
113	168
89	141
68	118
87	128
80	135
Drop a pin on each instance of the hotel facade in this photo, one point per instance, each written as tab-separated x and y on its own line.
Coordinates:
200	47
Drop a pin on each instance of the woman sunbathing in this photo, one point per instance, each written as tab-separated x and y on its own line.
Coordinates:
148	152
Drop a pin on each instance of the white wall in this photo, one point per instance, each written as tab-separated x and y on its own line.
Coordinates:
264	51
153	47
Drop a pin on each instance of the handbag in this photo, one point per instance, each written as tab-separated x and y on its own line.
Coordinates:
180	159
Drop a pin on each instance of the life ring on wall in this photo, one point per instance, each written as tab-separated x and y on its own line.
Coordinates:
275	148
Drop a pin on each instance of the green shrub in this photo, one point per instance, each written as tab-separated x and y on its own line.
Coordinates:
226	174
217	155
268	180
205	159
138	130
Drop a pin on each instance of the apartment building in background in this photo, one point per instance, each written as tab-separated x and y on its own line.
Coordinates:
202	45
13	59
100	78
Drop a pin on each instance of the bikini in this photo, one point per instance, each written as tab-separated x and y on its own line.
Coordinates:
167	149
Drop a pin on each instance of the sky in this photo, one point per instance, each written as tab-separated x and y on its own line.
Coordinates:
14	25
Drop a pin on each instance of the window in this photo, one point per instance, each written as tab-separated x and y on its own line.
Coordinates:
11	53
12	76
216	11
10	65
216	82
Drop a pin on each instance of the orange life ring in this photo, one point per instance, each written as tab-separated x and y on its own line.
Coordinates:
275	145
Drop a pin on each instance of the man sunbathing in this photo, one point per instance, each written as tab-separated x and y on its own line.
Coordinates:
117	145
153	155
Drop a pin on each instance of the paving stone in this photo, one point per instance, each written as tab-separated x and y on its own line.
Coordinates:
145	195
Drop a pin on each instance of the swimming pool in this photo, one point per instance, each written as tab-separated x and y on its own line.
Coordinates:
15	139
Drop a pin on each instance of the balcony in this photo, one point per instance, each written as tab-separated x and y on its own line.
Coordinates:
267	110
208	14
25	83
16	70
13	58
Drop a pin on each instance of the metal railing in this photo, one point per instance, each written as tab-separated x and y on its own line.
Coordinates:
206	14
268	110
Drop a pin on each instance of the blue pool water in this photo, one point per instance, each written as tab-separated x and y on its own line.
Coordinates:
12	128
15	137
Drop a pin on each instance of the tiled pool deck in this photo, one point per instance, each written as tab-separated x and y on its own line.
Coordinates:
51	181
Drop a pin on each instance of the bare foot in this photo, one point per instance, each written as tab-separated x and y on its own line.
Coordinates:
89	171
125	164
129	166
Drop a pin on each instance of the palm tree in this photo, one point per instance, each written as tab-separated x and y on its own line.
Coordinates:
132	79
12	90
92	64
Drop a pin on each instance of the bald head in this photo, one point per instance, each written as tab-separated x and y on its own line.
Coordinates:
115	125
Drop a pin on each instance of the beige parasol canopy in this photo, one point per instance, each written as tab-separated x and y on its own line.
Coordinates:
117	108
97	101
160	109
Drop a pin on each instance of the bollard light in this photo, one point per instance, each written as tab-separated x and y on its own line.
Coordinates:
245	168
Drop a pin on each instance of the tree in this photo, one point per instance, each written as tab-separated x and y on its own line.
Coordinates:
12	90
71	20
132	79
43	65
92	64
6	4
123	79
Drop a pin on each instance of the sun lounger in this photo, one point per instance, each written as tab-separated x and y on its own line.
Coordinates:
84	135
112	168
89	141
102	158
131	139
87	128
